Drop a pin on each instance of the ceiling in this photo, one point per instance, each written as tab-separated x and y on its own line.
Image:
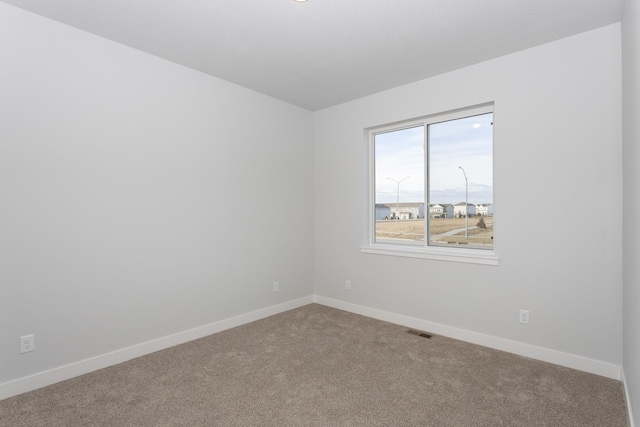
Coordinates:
325	52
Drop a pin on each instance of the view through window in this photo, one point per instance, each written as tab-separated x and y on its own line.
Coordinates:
433	182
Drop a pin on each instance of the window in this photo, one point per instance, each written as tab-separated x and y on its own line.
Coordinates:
431	187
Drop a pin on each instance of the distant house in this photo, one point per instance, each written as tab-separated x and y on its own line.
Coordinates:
459	209
485	209
406	210
382	212
441	210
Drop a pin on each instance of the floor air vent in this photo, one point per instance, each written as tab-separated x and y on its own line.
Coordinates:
419	333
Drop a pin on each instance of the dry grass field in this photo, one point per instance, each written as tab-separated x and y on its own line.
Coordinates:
413	229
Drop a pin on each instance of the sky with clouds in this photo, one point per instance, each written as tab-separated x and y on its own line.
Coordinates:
466	142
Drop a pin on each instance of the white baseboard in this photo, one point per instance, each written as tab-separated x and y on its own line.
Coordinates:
627	397
573	361
52	376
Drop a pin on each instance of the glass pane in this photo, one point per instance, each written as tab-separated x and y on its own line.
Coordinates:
461	182
399	186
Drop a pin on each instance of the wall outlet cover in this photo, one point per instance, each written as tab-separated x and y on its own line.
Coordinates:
27	343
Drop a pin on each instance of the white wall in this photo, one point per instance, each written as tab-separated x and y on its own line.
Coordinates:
557	142
128	187
127	182
631	150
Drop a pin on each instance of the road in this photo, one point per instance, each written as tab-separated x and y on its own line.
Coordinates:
450	233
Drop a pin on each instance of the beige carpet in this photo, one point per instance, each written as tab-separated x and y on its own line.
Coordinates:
317	366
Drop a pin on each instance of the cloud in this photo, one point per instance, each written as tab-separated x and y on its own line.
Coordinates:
466	142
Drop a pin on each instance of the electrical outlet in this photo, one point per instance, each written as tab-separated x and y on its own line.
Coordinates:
347	285
27	343
276	286
524	317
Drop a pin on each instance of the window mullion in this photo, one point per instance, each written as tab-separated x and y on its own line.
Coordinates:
427	202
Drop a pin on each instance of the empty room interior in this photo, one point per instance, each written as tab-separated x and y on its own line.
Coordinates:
174	171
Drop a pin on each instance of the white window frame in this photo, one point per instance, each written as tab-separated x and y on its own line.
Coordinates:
441	253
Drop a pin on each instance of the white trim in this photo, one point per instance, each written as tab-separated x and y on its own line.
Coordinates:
568	360
52	376
627	397
471	256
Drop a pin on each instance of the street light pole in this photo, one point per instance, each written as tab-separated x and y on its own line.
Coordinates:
466	204
398	196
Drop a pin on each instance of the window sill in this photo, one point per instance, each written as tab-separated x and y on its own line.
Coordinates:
469	256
